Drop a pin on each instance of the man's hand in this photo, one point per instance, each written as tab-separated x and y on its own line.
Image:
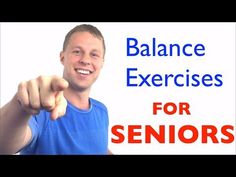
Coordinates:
43	93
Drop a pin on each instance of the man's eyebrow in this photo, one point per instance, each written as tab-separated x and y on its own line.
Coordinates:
79	47
96	50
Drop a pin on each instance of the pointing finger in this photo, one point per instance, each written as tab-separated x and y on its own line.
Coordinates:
58	84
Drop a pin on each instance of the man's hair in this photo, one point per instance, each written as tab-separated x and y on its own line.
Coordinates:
84	28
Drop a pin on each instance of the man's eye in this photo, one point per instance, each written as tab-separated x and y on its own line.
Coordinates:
76	51
95	55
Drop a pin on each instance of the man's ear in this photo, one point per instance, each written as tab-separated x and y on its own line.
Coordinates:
102	62
62	58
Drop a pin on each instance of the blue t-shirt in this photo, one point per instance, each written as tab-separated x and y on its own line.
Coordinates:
77	132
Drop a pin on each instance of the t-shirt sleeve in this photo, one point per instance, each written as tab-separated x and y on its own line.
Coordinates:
36	124
33	124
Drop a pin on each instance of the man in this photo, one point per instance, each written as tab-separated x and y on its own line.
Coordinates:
54	115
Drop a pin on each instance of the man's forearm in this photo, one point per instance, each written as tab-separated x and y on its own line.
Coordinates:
14	131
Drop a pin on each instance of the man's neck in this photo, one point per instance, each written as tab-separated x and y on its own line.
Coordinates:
79	99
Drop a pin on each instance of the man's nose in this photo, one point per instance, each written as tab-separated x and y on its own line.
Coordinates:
85	60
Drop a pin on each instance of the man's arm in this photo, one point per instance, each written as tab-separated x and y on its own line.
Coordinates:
14	131
32	96
109	152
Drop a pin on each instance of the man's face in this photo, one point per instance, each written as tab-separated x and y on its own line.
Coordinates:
82	60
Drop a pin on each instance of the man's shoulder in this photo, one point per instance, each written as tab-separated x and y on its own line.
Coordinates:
98	104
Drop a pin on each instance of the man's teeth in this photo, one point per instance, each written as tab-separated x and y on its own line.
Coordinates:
83	71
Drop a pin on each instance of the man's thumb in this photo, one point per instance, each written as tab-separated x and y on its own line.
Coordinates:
60	107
